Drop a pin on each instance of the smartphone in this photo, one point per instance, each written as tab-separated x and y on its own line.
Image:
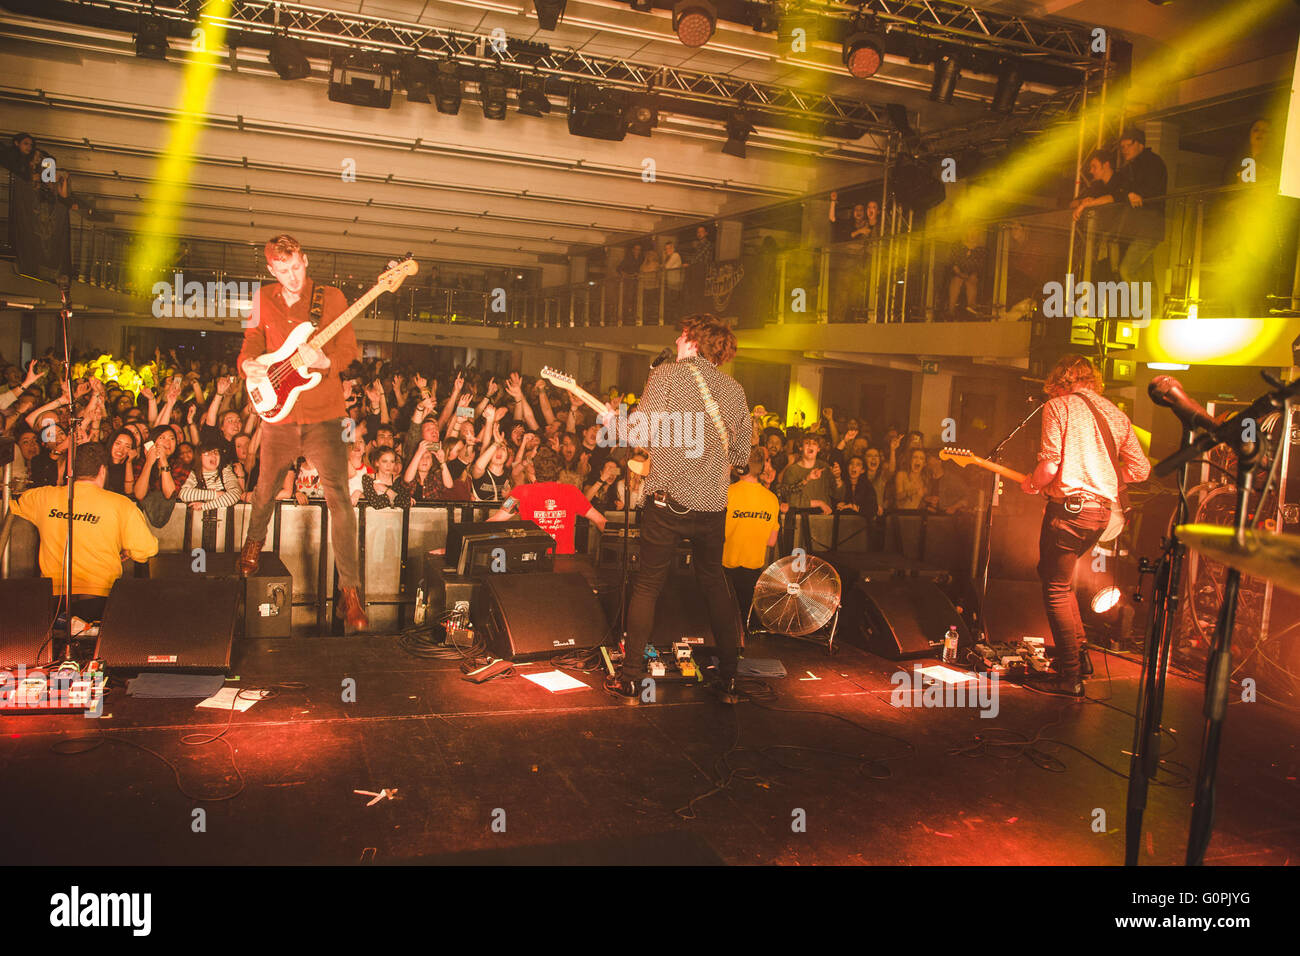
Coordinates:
148	446
464	412
436	446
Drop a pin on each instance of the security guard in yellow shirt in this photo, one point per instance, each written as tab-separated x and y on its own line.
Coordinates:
107	527
753	516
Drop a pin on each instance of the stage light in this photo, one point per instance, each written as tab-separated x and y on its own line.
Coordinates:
549	12
151	40
417	76
763	18
1105	599
361	82
738	130
642	6
532	96
492	90
288	60
946	73
597	113
694	21
642	114
863	53
446	88
1167	367
1008	88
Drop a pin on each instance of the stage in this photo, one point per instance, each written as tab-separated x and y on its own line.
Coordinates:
507	772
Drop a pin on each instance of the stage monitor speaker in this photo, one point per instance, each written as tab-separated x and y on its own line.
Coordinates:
1013	610
519	551
457	532
170	624
901	618
28	609
267	596
524	617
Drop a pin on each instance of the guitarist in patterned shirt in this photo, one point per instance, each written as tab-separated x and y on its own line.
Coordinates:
1087	454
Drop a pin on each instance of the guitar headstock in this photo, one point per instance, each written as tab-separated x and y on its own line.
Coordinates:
959	456
392	279
557	378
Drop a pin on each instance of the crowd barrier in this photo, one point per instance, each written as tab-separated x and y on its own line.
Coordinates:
392	543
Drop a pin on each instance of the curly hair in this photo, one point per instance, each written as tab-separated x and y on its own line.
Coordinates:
712	336
1070	372
546	464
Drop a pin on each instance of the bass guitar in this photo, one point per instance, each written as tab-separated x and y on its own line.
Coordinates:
279	377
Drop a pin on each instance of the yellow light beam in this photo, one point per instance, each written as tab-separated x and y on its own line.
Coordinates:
155	241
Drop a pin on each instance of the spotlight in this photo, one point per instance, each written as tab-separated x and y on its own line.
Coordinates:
1105	599
863	53
492	91
642	114
151	40
763	18
597	113
446	88
548	12
532	96
738	130
694	21
417	76
288	60
946	72
1008	88
643	6
361	82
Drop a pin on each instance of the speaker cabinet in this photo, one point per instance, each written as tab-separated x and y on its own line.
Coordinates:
901	618
525	617
267	597
170	624
28	609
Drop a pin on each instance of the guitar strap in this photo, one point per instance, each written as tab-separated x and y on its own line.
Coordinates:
317	305
711	406
1106	436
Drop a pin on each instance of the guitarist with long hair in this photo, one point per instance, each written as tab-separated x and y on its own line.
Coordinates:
314	426
1087	454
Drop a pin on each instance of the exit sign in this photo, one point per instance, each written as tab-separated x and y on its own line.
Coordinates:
930	368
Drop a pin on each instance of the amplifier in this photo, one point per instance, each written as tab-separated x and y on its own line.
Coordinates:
609	552
457	532
517	551
267	596
443	588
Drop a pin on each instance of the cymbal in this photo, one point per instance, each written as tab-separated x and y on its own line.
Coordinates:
1272	557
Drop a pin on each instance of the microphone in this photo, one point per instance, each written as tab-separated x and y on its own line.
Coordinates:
665	355
65	290
1167	392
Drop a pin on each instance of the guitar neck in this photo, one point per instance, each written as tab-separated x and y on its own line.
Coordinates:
588	399
1003	470
351	312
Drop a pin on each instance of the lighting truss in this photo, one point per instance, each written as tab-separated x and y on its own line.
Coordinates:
357	32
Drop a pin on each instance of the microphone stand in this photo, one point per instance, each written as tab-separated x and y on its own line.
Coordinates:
1219	665
987	531
1166	596
65	597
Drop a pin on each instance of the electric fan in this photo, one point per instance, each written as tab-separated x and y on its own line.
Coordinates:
797	596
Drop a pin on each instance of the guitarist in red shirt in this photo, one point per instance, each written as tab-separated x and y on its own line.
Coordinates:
314	427
1087	454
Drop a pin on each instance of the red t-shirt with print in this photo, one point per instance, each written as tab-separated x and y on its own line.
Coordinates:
553	506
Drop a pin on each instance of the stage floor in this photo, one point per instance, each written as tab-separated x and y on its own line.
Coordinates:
579	778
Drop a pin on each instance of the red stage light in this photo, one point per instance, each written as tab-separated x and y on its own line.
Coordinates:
694	21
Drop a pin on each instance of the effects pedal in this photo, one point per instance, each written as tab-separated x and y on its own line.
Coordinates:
488	671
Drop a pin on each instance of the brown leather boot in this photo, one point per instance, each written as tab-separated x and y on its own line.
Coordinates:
250	558
350	608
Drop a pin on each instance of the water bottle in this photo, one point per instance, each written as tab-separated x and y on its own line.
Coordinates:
950	646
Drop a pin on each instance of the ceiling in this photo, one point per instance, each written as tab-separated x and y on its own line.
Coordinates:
270	154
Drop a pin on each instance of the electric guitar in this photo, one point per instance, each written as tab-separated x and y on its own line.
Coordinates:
962	457
639	462
281	376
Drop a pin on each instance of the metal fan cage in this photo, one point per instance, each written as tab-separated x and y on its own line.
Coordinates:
798	596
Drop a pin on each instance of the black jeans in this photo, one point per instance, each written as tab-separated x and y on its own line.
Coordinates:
322	445
661	529
743	581
1064	538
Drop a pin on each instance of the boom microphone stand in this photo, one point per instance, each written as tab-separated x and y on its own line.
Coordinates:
1218	669
987	557
65	316
1166	596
